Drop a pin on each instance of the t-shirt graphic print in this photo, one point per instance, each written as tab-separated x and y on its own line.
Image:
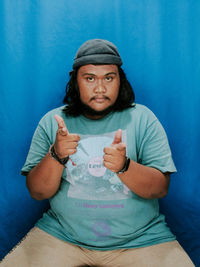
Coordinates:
89	179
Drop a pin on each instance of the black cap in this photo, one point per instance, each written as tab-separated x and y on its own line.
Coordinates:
97	51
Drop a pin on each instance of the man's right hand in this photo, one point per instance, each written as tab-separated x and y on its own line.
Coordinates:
65	143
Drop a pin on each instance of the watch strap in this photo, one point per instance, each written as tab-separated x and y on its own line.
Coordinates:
53	154
125	167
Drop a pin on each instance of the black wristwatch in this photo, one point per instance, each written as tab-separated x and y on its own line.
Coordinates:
52	152
125	167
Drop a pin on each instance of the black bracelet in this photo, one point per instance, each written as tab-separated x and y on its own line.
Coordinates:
125	167
52	152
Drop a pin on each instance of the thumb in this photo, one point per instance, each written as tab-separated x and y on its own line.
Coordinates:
61	125
118	137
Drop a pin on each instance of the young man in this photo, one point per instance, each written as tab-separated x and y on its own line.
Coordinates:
102	161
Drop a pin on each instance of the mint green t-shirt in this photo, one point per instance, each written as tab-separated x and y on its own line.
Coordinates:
92	207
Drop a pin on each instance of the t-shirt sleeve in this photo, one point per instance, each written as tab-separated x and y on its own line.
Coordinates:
154	150
44	136
39	147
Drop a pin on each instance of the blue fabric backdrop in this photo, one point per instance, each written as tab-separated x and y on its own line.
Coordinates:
159	42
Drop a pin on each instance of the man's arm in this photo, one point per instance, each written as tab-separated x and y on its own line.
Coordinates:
44	179
144	181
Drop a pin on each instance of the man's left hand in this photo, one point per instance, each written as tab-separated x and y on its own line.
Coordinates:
114	156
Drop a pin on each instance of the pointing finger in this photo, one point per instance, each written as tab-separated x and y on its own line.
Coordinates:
118	137
113	148
120	147
60	121
62	129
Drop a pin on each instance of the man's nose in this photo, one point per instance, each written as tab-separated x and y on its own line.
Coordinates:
100	87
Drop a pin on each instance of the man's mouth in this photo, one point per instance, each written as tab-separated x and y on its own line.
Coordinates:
99	99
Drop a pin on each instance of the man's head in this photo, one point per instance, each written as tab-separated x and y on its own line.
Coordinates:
98	85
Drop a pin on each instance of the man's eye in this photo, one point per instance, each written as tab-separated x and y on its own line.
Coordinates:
109	78
90	79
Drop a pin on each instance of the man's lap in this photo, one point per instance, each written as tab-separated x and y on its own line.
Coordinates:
40	249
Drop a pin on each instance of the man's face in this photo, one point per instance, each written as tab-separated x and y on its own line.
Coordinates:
98	87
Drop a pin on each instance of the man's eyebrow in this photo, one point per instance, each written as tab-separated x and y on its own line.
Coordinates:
92	74
87	73
110	73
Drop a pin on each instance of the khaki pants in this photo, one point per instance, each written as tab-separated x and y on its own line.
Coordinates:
39	249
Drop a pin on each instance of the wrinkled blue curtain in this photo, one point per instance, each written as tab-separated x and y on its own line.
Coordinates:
159	42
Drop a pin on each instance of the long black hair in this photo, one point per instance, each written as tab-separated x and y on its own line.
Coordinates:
74	105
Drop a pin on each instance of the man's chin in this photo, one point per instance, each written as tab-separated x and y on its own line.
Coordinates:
95	114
